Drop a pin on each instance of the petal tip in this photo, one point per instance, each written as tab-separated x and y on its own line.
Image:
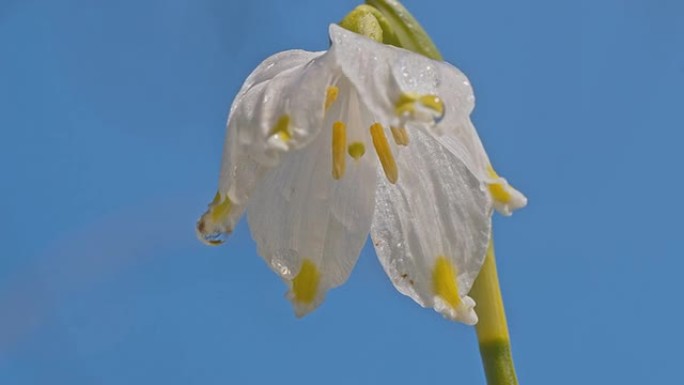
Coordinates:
305	291
464	312
516	200
211	233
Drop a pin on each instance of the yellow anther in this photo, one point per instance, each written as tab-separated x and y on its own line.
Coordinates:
400	135
406	104
339	142
356	150
305	284
219	209
281	130
330	96
432	102
497	189
444	282
382	148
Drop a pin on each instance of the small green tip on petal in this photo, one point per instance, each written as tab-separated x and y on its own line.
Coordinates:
407	32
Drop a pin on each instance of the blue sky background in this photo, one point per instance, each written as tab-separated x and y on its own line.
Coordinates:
111	129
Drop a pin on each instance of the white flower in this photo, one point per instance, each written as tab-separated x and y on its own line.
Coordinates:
324	147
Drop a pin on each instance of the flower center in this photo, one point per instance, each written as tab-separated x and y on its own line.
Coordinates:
354	126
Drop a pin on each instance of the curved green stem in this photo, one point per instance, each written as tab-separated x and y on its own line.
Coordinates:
492	328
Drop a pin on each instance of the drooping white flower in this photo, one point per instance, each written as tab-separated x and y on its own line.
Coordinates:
324	148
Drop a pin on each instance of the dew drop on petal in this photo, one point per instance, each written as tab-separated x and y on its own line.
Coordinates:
283	262
214	239
210	234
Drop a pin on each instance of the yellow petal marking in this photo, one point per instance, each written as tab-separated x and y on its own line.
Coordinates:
498	189
219	209
400	135
330	96
305	284
382	148
339	142
444	282
356	150
281	129
212	220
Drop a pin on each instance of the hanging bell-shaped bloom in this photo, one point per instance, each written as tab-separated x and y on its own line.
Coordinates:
324	148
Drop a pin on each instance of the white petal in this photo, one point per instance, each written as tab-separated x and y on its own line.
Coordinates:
291	83
436	217
366	64
455	130
461	138
275	64
465	144
506	198
382	73
283	113
301	216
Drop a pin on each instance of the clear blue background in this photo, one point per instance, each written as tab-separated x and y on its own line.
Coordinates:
111	129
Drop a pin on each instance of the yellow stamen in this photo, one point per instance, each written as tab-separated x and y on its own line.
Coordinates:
305	284
382	148
432	102
400	135
405	105
444	282
330	96
219	210
498	189
282	128
339	142
356	150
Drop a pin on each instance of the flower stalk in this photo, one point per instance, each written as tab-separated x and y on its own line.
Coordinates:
492	328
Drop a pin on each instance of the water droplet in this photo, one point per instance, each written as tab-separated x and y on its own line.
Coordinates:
280	268
213	239
210	233
283	262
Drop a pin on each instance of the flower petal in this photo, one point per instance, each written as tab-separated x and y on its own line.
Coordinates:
268	94
462	140
465	144
384	75
285	112
275	64
310	227
366	64
432	228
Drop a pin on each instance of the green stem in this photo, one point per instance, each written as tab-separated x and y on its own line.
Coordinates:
492	328
408	33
